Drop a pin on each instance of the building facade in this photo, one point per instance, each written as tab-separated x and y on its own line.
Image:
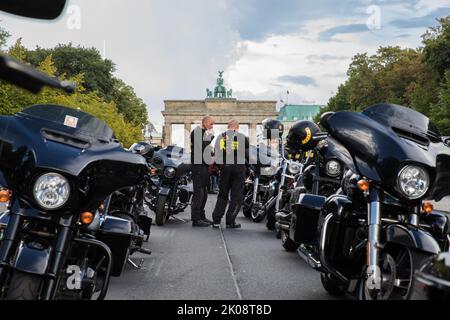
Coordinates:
184	115
290	113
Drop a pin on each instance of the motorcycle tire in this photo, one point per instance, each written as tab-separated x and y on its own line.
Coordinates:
271	219
288	244
257	216
23	286
278	234
247	211
416	260
332	285
161	212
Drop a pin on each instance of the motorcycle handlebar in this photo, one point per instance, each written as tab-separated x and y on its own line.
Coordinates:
29	78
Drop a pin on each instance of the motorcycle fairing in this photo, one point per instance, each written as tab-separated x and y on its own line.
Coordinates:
379	153
26	148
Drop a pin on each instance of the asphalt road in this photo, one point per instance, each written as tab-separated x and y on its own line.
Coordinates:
206	263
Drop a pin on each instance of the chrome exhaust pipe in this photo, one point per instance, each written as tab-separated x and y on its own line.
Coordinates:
281	226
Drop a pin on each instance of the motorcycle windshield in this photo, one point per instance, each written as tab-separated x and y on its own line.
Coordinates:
382	143
76	122
56	138
174	157
404	121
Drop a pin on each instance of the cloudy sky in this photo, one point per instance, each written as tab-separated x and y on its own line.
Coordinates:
172	49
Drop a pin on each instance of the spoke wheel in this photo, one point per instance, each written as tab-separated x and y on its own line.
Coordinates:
397	273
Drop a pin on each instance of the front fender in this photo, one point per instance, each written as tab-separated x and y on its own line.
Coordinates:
412	237
32	260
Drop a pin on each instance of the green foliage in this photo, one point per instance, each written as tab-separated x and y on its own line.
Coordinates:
133	108
437	48
411	77
4	35
13	99
440	112
98	77
70	61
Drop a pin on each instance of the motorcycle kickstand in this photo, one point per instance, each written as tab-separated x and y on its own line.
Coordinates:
134	265
178	219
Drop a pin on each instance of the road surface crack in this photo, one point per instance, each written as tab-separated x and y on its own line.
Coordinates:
230	263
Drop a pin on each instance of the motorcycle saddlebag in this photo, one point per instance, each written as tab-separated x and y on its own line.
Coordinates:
116	233
305	218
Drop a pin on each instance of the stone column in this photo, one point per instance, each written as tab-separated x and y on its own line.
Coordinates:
167	134
187	134
252	133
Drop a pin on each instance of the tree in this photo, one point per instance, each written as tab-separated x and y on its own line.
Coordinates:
129	104
437	48
71	61
98	77
440	112
14	99
4	35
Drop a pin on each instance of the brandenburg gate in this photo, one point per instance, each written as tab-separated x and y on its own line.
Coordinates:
222	106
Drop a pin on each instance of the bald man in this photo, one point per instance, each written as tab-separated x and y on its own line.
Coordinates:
231	151
201	158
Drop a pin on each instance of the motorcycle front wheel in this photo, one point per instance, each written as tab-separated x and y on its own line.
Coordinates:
332	285
398	265
161	211
23	286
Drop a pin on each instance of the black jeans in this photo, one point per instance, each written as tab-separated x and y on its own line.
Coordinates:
200	181
232	179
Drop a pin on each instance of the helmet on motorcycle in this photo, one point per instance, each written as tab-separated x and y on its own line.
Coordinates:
300	136
272	128
144	149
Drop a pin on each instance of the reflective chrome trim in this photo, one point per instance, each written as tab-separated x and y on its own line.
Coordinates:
373	271
255	189
413	219
280	194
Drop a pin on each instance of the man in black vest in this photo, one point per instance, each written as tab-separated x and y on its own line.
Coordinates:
231	151
201	150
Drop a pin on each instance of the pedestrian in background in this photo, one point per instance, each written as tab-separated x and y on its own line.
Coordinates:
201	154
214	174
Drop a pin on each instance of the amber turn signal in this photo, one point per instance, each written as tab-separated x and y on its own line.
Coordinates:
86	217
363	185
5	195
153	171
427	207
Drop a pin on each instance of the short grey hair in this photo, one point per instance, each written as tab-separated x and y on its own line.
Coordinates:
233	123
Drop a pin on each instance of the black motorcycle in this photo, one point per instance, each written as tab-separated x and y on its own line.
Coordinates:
371	238
173	193
323	173
60	164
259	187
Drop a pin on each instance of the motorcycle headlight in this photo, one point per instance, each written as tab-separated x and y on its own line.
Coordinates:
333	168
413	182
169	172
268	171
294	168
51	191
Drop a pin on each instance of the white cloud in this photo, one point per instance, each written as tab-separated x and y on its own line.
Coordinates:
173	49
